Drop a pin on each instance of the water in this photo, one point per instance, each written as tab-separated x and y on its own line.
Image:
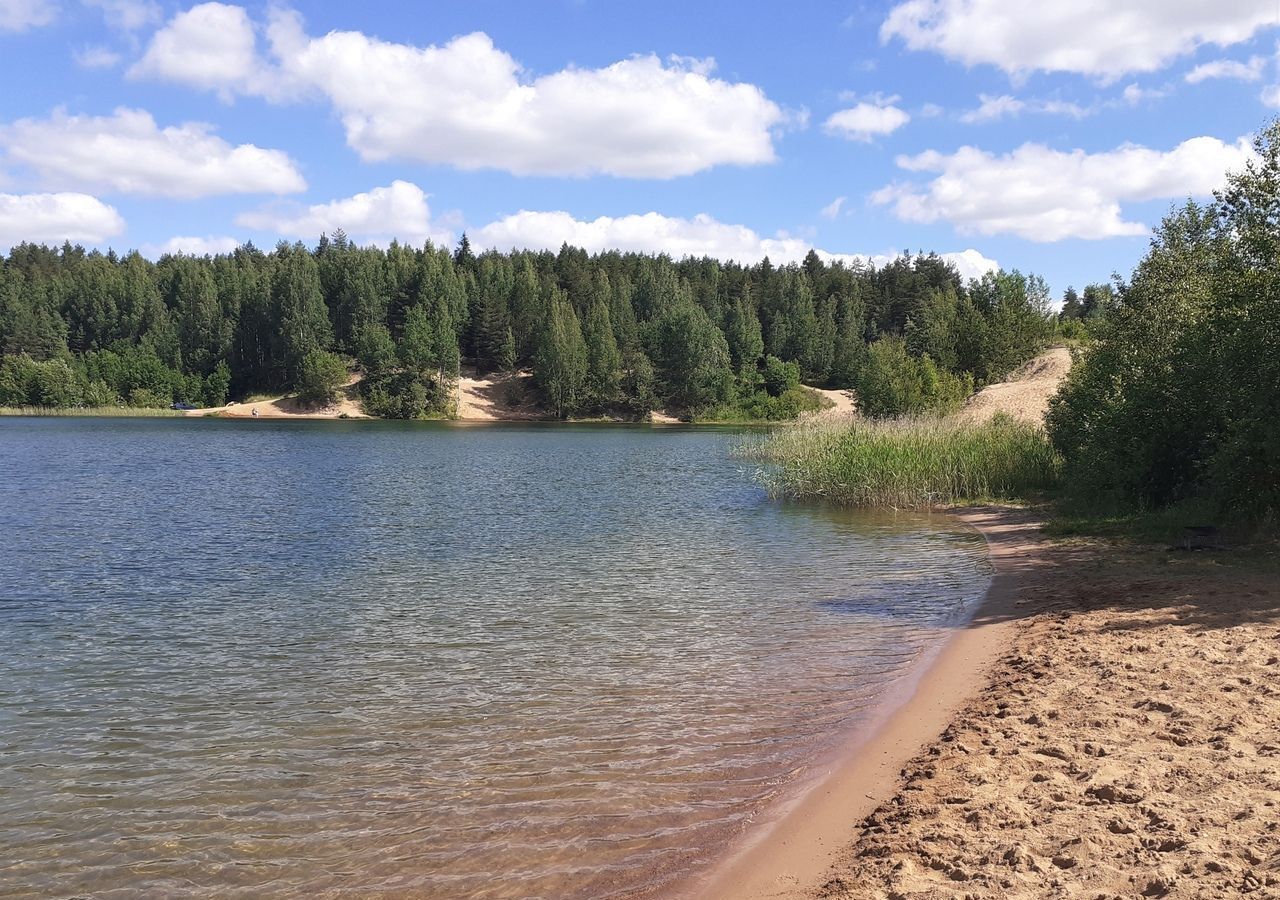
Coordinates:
258	659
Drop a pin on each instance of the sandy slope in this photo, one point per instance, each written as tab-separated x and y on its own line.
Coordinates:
500	396
347	405
1025	395
842	409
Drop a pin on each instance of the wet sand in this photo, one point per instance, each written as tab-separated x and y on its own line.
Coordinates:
1107	726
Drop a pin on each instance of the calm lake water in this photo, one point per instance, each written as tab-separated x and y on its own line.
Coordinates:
246	659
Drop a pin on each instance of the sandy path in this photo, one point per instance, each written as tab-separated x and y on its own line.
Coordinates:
1025	395
1125	743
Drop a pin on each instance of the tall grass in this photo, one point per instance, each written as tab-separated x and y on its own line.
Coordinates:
909	463
120	411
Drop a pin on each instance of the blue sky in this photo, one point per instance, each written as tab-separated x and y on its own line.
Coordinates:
1048	137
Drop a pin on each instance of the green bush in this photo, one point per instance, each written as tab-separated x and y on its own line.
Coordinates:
321	375
892	382
1177	400
779	376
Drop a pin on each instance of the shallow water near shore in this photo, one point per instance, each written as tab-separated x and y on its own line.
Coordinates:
254	658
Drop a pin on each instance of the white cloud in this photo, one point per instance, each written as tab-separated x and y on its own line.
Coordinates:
128	153
1043	194
398	211
19	15
191	246
930	111
867	120
128	15
992	108
96	57
1228	68
54	218
699	236
1271	96
1133	94
832	209
1100	38
211	46
470	105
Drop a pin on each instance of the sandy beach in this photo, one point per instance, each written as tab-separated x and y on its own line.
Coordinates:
1107	726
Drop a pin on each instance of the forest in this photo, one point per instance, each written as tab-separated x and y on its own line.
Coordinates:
610	334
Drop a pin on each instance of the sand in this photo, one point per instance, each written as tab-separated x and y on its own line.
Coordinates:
497	397
1112	730
1025	394
347	406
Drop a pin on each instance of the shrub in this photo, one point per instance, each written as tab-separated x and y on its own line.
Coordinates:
321	374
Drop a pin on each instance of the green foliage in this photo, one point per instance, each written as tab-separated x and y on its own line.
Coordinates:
779	377
691	357
560	366
760	406
891	382
322	374
1176	399
910	463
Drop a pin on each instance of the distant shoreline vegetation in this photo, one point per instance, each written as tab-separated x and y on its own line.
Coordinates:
608	335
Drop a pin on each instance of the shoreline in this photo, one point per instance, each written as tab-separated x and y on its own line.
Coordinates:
792	854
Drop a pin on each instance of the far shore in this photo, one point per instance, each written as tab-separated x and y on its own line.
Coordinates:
1105	726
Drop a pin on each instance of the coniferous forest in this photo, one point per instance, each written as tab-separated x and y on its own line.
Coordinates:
615	334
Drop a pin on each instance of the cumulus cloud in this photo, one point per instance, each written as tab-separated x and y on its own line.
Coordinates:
212	46
191	246
1230	69
468	104
1099	38
54	218
128	153
19	15
1047	195
867	120
832	209
699	236
397	211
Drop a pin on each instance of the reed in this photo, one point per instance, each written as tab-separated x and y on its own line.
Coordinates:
117	411
909	463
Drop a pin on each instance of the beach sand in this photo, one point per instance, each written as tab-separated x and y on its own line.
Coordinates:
1108	726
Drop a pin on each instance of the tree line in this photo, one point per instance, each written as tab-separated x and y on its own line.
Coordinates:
606	334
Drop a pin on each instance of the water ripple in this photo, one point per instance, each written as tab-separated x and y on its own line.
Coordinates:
254	659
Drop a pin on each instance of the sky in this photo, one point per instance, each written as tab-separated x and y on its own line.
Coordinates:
1050	137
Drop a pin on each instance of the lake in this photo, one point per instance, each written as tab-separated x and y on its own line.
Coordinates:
253	659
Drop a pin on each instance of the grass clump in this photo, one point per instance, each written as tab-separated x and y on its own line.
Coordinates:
909	463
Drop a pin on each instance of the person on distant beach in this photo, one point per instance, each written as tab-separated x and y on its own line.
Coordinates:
255	412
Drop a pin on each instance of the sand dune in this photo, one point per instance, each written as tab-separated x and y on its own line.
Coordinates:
1025	394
